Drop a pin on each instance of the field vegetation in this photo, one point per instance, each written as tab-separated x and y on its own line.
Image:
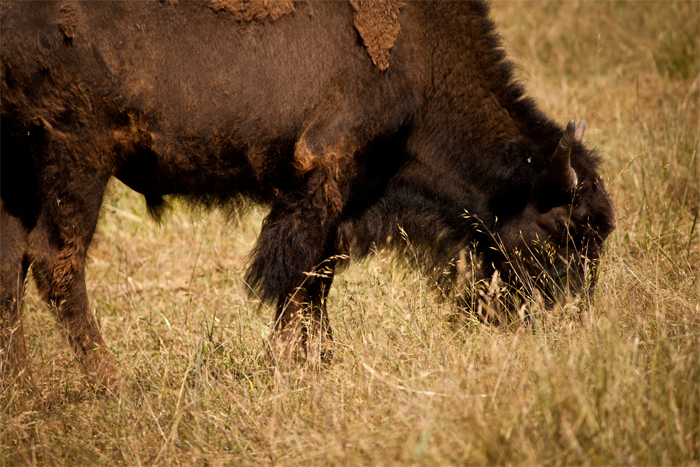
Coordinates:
610	381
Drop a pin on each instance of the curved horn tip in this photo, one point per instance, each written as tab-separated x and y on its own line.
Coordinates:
561	174
580	130
566	140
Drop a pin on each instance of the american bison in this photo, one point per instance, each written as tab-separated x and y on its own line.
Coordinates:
352	121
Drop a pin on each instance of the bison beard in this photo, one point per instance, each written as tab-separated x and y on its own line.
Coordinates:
351	143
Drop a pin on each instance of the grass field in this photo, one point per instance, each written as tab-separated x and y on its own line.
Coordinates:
616	382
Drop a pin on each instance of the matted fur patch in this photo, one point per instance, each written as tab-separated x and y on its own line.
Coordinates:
378	25
253	10
69	21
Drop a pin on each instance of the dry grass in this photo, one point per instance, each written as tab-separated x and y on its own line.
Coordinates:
411	382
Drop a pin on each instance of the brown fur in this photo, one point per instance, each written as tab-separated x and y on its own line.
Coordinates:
68	266
253	10
298	116
331	163
378	25
69	22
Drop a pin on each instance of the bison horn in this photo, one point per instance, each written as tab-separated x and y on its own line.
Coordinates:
580	130
561	174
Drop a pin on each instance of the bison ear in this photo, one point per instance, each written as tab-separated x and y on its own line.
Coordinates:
561	174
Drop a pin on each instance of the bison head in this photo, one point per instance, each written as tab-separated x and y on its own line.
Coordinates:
535	211
553	243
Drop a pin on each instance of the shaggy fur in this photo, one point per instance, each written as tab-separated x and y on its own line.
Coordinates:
67	25
175	99
378	25
253	10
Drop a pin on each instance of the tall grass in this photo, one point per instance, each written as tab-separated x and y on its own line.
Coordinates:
413	382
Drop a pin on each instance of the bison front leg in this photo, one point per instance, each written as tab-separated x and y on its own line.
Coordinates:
289	331
296	237
319	335
302	331
13	269
57	251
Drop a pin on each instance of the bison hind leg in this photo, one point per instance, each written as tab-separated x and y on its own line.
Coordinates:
13	271
57	248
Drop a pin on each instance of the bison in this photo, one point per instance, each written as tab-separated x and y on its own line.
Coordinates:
354	122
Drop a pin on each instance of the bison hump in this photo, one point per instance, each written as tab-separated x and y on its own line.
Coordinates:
253	10
378	25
